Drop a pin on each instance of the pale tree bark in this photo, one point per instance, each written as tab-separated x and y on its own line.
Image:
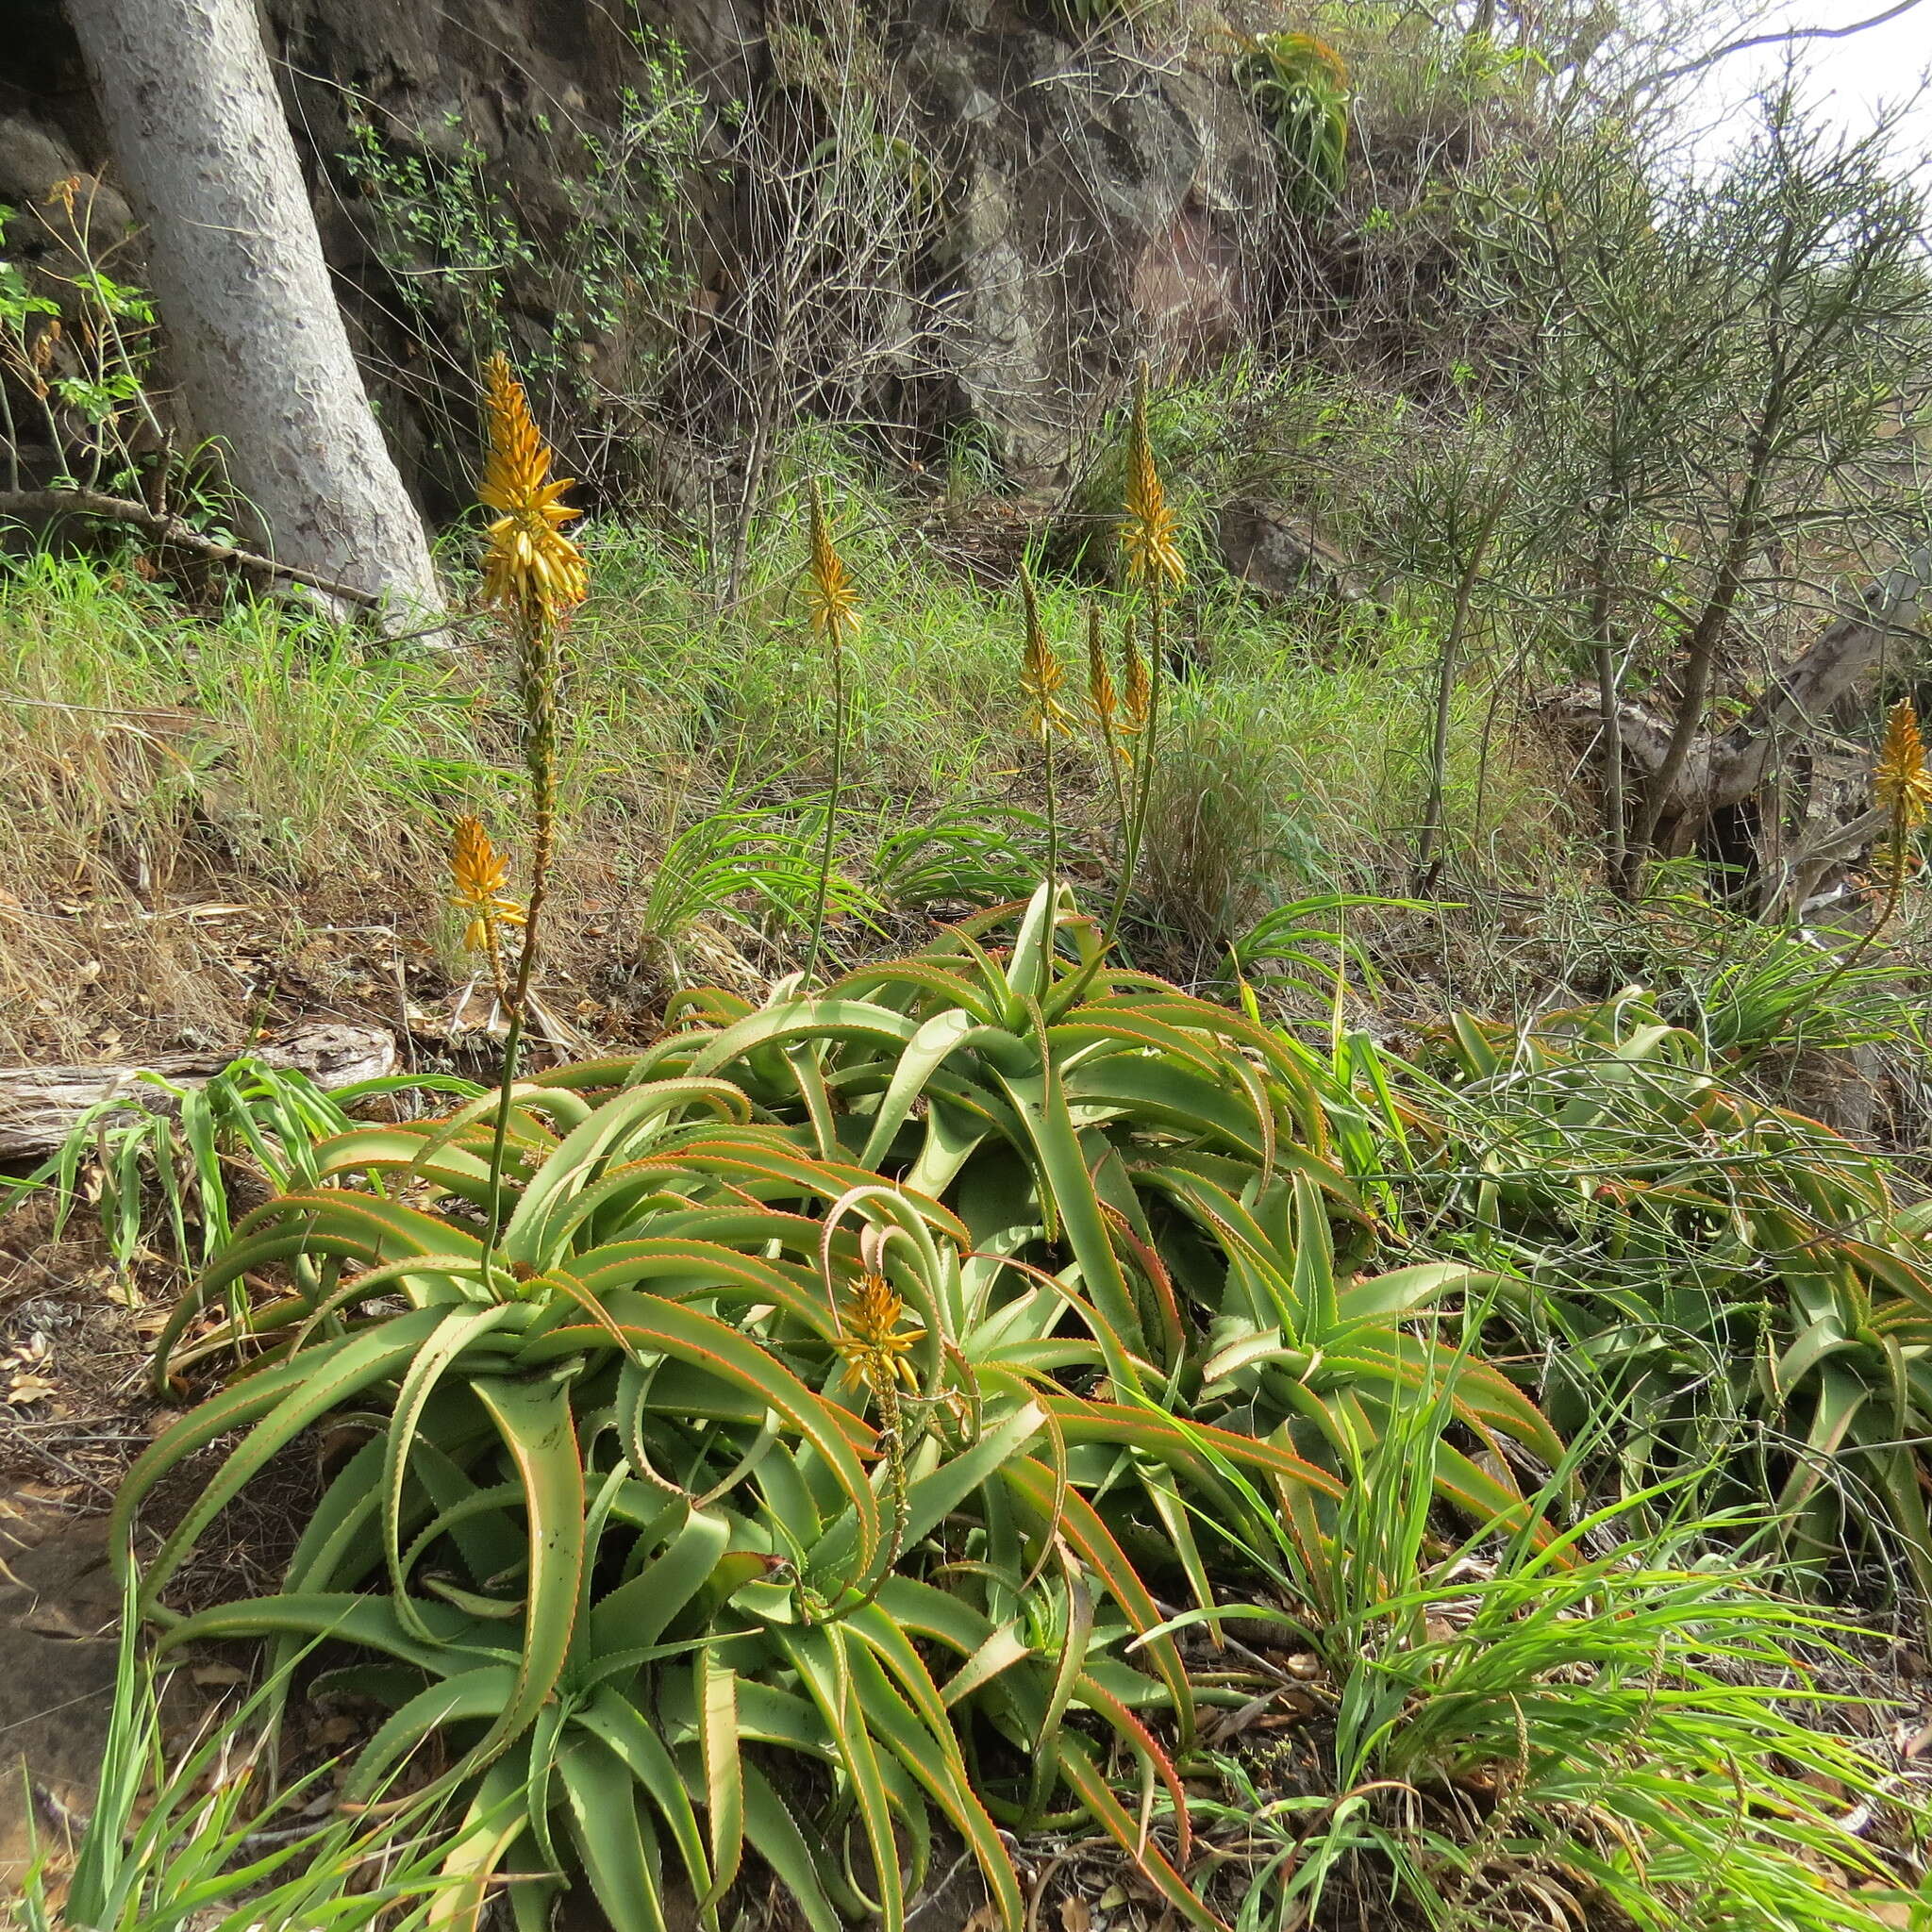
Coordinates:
237	268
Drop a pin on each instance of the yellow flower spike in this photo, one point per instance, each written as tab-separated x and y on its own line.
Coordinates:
874	1342
1041	678
828	588
1899	779
1138	699
1147	531
480	872
529	565
1100	689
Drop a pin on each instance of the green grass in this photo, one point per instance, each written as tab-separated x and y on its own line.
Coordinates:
264	756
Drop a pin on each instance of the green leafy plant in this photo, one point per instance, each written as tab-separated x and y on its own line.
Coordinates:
456	246
1788	993
1752	990
740	865
1299	88
188	1146
979	855
1644	1732
190	1837
1740	1277
77	343
815	1330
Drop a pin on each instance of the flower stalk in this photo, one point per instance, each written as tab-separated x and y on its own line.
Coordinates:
1104	701
480	872
1041	680
832	603
876	1346
1155	567
537	576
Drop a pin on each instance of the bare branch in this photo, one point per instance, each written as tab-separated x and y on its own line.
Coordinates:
173	530
1786	38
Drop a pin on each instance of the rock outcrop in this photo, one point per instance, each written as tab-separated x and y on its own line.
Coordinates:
1098	196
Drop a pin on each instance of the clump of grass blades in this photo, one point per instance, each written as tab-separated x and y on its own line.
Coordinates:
778	858
1300	88
190	1836
1524	1733
182	1152
158	759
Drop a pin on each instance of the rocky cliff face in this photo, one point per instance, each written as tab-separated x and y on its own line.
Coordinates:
1091	199
1103	200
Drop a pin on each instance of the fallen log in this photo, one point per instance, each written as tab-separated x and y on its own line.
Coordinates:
41	1106
1878	624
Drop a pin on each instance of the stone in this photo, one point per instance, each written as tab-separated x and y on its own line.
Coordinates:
60	1610
1104	196
1272	554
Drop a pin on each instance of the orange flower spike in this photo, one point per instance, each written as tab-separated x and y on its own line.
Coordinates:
528	563
1899	779
874	1342
1149	527
479	873
1041	677
828	588
1138	699
1100	688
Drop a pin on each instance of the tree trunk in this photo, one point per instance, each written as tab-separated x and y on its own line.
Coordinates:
1429	865
1654	811
1604	648
238	271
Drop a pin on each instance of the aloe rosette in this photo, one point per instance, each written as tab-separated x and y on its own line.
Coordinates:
850	1382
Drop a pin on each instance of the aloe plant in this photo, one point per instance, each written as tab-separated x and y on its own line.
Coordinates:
924	1315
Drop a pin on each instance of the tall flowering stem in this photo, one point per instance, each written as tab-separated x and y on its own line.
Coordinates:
1155	567
833	605
1103	700
537	576
1042	679
1900	781
875	1345
480	872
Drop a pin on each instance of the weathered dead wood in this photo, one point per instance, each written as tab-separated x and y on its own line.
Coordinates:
1726	768
40	1106
170	530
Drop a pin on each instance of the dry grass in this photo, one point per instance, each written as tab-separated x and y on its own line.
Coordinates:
219	822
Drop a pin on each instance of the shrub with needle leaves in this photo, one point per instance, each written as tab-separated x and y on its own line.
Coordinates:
1740	1280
